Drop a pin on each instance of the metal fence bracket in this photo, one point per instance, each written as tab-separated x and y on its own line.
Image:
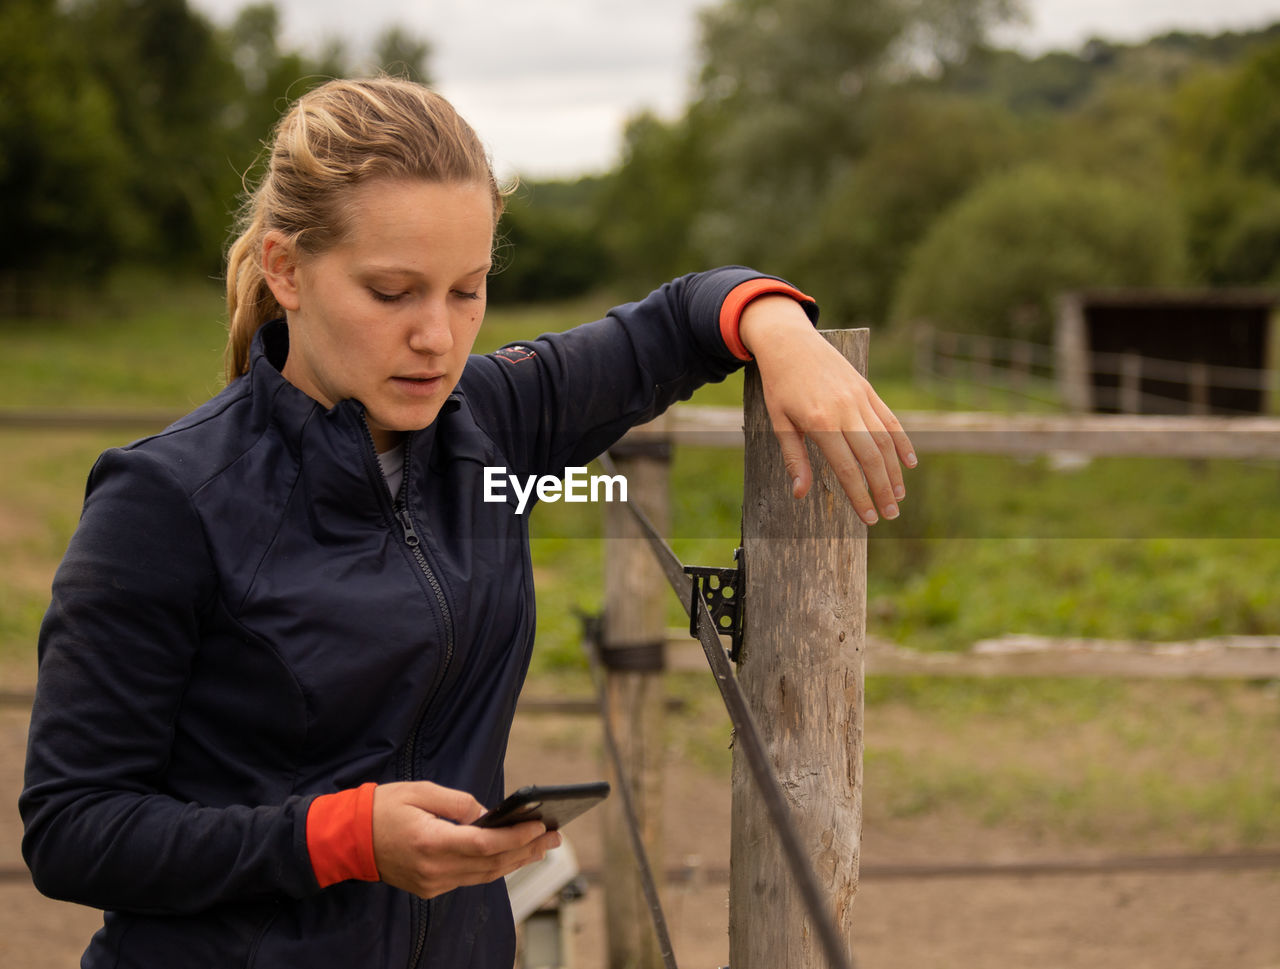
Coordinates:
721	590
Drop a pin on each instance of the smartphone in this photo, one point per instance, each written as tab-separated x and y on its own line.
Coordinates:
555	805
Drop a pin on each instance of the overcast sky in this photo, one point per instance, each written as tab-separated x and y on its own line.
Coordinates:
549	83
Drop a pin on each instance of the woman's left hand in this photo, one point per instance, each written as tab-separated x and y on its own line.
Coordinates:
811	390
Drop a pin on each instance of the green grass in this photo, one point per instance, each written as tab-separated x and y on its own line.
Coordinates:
142	342
1110	764
1121	548
1144	763
1158	589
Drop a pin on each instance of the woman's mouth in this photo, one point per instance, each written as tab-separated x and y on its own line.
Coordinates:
418	385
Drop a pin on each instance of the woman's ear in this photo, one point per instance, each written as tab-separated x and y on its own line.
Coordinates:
280	268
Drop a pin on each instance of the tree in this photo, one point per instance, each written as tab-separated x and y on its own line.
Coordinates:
1019	239
548	247
64	169
172	88
785	89
926	150
271	76
1233	225
1123	129
1227	143
1248	249
127	127
647	208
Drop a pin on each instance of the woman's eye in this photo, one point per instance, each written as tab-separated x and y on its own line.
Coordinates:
385	297
461	294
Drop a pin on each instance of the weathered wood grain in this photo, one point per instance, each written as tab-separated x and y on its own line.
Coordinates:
801	672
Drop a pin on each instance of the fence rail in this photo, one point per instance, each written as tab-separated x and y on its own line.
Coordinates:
38	419
1030	370
933	432
1100	435
925	871
986	432
1224	657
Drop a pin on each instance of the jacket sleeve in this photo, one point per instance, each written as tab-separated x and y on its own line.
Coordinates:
562	399
116	649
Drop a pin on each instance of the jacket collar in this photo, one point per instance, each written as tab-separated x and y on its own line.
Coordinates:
335	441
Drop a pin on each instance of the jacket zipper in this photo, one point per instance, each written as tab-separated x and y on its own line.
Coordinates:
419	908
415	544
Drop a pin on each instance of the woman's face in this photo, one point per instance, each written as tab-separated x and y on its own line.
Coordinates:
389	314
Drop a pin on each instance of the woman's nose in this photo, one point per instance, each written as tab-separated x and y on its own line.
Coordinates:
431	331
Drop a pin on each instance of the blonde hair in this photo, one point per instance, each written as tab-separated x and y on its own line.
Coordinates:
335	137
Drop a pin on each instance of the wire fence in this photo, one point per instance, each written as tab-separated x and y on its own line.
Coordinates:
989	369
747	738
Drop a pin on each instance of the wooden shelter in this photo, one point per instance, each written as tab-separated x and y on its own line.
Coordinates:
1151	351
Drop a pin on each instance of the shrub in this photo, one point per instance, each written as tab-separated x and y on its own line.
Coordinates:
1017	240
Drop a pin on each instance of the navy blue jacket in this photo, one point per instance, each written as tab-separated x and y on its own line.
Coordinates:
246	619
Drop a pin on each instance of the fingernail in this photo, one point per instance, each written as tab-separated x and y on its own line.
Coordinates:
900	492
911	460
890	511
795	485
870	517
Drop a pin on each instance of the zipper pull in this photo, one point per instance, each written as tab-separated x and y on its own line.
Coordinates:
410	536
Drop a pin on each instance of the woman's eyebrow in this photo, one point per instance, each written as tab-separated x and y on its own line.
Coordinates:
418	274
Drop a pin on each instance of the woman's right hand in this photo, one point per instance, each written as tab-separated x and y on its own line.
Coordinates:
424	842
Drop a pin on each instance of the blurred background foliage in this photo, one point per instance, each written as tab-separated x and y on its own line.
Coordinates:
127	129
884	154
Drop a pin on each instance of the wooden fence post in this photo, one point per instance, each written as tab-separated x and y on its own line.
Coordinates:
633	639
1200	388
946	346
1130	383
801	671
925	356
1021	377
1075	365
981	368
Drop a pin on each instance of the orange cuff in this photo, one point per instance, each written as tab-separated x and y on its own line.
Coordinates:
736	302
340	836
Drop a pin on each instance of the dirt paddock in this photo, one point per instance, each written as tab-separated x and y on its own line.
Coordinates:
1159	920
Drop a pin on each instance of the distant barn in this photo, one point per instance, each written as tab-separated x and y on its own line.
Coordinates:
1166	352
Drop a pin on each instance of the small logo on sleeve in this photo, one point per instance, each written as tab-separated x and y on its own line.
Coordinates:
515	354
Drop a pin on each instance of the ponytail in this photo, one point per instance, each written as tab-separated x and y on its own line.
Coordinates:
250	302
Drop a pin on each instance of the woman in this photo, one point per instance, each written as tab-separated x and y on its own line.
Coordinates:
284	648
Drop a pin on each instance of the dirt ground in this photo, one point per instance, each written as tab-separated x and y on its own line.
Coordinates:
1202	920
